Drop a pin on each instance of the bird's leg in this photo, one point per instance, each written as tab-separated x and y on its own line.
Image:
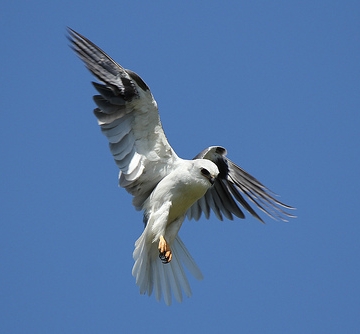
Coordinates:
165	253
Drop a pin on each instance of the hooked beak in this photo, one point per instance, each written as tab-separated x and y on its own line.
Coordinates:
211	179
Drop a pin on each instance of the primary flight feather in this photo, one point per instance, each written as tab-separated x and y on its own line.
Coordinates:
165	187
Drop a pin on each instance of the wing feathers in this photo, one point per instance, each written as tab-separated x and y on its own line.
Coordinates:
231	183
204	207
128	116
122	147
108	95
116	134
105	106
105	120
102	66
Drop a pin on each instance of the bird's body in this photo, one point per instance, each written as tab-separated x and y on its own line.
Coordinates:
181	188
165	187
165	211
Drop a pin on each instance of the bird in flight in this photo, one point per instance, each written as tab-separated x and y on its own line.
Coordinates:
164	186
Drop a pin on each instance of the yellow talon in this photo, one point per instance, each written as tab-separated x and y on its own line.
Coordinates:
165	253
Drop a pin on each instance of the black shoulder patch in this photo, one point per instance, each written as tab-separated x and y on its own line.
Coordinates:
220	150
140	82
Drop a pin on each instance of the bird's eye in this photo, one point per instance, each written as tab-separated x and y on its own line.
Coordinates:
205	172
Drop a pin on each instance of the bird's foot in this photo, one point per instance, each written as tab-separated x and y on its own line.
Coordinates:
165	253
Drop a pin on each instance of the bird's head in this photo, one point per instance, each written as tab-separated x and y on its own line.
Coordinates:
207	170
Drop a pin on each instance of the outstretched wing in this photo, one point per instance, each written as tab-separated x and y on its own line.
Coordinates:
128	116
228	190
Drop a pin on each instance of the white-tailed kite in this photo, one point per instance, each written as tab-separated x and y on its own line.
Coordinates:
165	187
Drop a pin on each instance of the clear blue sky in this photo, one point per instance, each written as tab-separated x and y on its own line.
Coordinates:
275	82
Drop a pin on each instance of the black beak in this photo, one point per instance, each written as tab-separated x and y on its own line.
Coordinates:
211	180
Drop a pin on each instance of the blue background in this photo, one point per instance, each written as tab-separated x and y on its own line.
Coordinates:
275	82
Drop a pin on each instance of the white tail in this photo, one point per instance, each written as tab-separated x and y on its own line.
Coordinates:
164	279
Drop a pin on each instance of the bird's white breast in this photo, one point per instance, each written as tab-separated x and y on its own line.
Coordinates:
182	188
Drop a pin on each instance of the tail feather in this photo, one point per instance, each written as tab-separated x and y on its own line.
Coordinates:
164	282
173	275
184	283
188	260
156	283
140	268
163	279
